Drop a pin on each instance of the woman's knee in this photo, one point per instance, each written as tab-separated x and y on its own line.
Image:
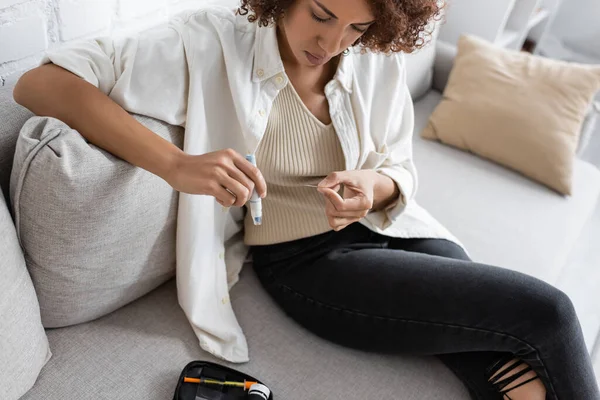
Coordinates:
553	311
563	309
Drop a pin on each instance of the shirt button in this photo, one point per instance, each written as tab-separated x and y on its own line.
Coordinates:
224	300
279	79
224	209
260	73
261	112
221	256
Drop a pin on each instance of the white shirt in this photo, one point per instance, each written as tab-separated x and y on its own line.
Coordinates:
217	75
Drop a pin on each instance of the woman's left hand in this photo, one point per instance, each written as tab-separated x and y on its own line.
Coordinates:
359	196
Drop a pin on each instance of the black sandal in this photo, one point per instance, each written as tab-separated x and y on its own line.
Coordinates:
501	384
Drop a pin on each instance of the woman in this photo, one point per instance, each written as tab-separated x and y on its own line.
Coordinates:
352	259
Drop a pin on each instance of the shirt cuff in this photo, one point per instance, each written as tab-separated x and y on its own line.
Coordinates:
404	180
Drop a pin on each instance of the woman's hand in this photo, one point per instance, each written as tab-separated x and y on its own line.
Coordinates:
225	174
364	190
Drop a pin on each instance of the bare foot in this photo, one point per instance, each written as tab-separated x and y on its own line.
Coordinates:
533	390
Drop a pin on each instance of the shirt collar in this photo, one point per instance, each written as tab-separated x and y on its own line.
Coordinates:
267	59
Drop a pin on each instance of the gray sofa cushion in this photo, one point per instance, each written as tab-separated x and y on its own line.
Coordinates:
96	231
23	343
138	352
12	118
505	219
501	216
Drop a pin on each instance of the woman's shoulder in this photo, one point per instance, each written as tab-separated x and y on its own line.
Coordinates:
212	31
216	17
368	61
379	72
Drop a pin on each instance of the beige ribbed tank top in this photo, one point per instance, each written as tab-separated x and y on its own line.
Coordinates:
296	149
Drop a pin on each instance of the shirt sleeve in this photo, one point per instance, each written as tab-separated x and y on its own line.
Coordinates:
399	164
147	73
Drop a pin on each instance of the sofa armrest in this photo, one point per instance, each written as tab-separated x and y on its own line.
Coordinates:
444	61
589	127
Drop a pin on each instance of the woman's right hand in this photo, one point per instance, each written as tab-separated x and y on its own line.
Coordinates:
225	174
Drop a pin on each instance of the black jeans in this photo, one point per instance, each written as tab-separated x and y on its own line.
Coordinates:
426	297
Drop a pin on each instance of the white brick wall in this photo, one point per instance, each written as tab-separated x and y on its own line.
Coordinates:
29	27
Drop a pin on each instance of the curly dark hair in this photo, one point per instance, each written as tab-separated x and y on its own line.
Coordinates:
400	25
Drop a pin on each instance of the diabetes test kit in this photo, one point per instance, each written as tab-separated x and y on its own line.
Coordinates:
203	380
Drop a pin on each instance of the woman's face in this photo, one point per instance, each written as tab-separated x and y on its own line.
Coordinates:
318	30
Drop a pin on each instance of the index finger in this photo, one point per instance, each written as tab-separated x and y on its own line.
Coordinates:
333	197
253	173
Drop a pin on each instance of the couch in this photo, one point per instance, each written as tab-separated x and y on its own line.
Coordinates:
503	218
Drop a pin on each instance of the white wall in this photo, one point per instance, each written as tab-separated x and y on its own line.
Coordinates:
28	27
578	26
575	33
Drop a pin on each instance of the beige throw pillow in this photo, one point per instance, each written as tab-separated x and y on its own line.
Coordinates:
519	110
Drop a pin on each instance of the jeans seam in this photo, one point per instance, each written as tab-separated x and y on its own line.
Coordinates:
335	308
